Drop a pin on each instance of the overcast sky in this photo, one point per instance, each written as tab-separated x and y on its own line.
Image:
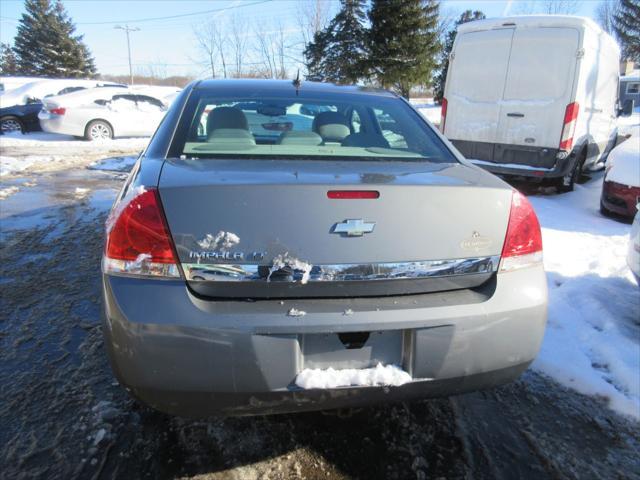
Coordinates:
165	41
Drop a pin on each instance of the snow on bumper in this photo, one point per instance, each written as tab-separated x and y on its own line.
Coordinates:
190	356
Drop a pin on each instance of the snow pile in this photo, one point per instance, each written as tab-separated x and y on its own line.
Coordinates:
592	342
630	125
624	163
221	241
46	152
381	375
7	192
283	261
81	192
13	165
114	164
294	312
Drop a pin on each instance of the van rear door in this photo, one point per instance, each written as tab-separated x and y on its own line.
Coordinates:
475	85
539	86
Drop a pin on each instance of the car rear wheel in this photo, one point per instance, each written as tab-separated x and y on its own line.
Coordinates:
11	124
98	130
567	182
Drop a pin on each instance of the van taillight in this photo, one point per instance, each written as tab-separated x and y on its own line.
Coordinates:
58	111
569	126
523	242
443	114
138	241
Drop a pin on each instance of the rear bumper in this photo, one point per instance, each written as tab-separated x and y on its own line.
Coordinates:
55	124
515	160
620	199
194	357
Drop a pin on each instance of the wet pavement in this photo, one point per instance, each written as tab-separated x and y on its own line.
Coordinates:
63	415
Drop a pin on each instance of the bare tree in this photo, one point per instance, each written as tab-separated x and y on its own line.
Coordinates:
313	16
604	15
238	39
551	7
220	38
205	35
265	51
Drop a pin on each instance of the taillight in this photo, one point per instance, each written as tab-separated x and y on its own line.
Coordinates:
138	240
443	114
58	111
353	194
523	243
569	126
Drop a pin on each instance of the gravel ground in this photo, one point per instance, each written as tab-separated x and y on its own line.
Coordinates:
62	414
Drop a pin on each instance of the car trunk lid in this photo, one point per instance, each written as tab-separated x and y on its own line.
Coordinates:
268	229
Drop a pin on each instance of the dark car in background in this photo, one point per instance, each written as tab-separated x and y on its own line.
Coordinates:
23	118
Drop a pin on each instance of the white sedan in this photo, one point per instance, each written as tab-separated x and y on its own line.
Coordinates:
103	113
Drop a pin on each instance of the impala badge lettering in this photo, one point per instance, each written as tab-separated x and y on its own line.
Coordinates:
255	256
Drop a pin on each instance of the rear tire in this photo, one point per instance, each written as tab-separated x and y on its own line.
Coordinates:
11	123
566	183
98	130
603	210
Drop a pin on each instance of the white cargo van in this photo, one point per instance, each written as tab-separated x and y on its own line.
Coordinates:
532	95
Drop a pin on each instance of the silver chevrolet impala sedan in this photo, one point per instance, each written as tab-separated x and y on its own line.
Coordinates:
284	246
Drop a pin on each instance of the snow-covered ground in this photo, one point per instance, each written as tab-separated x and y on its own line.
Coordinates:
428	109
592	343
40	152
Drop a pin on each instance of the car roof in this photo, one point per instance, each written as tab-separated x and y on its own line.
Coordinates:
258	87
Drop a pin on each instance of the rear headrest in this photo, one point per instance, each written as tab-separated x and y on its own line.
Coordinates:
365	140
226	117
300	138
331	126
231	137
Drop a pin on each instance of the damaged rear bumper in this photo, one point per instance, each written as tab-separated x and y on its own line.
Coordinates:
195	357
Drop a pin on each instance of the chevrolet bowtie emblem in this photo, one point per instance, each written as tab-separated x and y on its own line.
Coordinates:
353	228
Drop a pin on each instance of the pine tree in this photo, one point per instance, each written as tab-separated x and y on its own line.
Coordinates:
441	77
7	60
46	44
345	52
403	42
315	57
626	24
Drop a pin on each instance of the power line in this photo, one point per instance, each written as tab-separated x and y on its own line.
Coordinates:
153	19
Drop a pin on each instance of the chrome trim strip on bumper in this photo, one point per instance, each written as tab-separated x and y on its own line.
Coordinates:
219	272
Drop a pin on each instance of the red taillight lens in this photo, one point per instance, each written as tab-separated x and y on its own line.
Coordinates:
353	194
443	114
58	111
523	243
569	126
138	240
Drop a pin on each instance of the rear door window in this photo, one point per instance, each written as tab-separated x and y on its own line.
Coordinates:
146	103
124	102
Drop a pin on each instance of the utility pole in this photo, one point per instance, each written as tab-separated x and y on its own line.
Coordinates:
128	29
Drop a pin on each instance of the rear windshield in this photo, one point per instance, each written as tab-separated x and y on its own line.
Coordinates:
328	127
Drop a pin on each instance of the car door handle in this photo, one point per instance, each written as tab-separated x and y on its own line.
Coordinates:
515	114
